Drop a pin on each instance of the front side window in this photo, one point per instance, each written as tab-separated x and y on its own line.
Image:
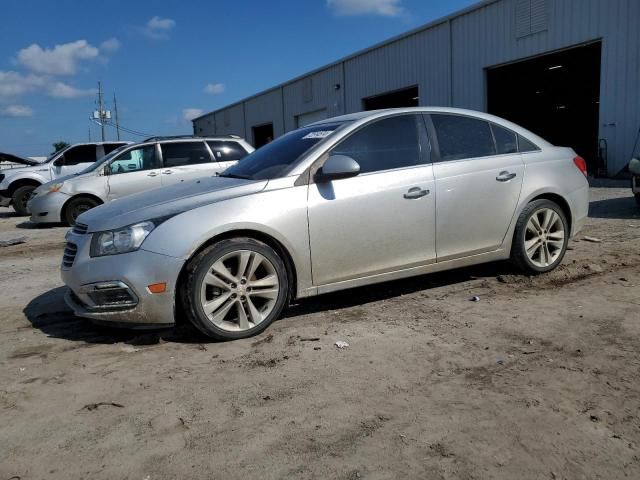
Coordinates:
135	160
80	154
385	144
276	158
462	137
184	153
505	139
227	151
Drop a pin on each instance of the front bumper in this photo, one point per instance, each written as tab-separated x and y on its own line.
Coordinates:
5	199
47	208
129	273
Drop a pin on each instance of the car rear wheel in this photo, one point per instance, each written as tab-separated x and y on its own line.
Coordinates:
541	237
20	198
235	288
76	207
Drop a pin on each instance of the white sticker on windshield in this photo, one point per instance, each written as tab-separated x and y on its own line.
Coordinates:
318	134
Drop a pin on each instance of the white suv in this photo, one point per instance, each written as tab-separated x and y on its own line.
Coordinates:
153	163
17	184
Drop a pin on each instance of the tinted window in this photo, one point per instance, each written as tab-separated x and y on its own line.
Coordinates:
187	153
525	145
110	147
80	154
462	137
383	145
142	158
505	139
274	159
227	151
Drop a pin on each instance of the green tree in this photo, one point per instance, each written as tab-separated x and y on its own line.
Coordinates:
60	146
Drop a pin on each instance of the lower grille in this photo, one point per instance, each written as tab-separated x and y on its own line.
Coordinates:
70	251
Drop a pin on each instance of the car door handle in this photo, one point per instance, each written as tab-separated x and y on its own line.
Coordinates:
152	174
167	172
505	176
415	192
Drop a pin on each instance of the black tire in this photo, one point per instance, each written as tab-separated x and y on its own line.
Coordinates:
519	256
76	207
200	265
20	197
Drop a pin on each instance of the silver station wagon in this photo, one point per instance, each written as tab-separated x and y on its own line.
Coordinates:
345	202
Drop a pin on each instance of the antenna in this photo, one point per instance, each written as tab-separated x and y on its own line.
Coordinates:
100	109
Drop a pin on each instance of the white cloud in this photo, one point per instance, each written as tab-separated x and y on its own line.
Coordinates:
61	60
16	111
111	45
14	84
214	88
189	114
158	28
387	8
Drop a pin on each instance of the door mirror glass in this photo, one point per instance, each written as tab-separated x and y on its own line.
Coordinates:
59	162
336	167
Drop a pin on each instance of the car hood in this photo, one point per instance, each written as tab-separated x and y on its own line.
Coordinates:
9	157
167	201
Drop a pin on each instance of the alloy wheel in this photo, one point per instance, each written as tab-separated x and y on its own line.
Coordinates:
239	290
544	237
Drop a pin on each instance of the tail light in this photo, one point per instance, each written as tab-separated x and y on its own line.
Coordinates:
581	164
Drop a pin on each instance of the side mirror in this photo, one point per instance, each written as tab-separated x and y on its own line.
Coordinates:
59	161
336	167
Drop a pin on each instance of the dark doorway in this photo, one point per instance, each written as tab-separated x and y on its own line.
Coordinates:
407	97
556	96
262	134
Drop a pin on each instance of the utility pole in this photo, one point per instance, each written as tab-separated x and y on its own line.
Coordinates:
89	133
101	110
115	107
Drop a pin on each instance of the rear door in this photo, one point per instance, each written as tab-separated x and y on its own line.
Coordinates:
226	152
133	171
185	161
478	173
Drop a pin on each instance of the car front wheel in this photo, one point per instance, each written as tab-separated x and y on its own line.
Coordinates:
20	198
541	237
235	288
76	207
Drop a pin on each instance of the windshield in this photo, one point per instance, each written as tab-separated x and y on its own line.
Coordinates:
101	161
274	159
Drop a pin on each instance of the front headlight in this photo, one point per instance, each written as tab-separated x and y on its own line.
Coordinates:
122	240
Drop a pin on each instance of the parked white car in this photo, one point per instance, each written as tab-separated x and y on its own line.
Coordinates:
18	183
156	162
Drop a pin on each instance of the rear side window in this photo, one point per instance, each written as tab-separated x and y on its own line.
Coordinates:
227	151
80	154
462	137
505	139
386	144
525	145
185	153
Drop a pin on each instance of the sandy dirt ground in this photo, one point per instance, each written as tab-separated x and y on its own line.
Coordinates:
540	379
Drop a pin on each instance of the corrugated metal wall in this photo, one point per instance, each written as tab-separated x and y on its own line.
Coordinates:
448	62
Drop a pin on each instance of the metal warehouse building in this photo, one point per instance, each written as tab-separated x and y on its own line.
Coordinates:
569	70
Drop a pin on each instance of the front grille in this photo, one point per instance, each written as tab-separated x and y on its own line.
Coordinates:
80	228
69	255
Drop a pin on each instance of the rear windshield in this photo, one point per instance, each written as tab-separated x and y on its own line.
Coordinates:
275	159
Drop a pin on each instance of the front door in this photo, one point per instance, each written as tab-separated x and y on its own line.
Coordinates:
383	219
478	173
74	160
133	171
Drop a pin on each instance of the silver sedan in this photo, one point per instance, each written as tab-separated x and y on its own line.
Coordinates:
349	201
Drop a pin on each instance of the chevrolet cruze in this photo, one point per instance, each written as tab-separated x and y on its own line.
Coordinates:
345	202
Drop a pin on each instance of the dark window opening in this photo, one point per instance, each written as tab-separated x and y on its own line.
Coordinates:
407	97
262	134
556	96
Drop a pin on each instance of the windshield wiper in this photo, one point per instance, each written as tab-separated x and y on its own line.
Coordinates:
235	175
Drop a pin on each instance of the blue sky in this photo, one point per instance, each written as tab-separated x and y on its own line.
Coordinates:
167	61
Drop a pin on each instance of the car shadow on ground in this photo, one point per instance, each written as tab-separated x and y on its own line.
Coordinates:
49	313
620	208
28	225
8	214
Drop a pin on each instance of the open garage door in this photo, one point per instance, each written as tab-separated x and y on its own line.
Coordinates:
556	96
407	97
